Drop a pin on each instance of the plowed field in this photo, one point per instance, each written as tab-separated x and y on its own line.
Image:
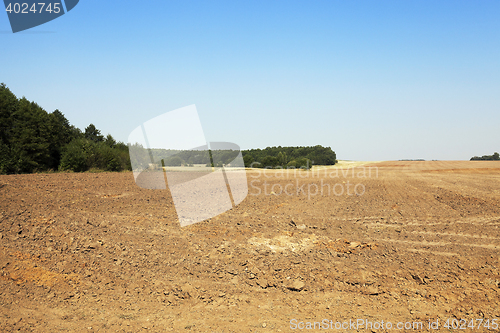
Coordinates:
393	241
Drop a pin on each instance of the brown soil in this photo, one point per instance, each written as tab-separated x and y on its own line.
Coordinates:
94	252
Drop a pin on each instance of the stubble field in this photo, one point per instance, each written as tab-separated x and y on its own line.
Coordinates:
399	242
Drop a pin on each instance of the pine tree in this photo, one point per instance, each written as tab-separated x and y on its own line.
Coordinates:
93	134
8	106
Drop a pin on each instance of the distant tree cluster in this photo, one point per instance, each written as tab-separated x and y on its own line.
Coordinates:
32	140
271	157
93	151
494	157
142	157
184	157
289	157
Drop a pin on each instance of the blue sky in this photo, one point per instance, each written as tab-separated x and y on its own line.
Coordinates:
374	80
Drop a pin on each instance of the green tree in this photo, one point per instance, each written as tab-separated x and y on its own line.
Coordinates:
60	134
123	153
83	154
107	158
248	160
33	140
93	134
30	138
282	159
270	161
303	163
174	161
8	106
320	155
494	157
110	141
75	156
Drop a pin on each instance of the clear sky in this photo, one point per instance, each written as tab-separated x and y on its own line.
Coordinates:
374	80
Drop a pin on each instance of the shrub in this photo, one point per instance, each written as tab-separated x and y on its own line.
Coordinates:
248	160
270	161
108	158
303	163
83	154
174	161
75	156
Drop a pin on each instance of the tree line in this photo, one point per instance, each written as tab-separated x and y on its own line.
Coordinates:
270	157
33	140
289	157
494	157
